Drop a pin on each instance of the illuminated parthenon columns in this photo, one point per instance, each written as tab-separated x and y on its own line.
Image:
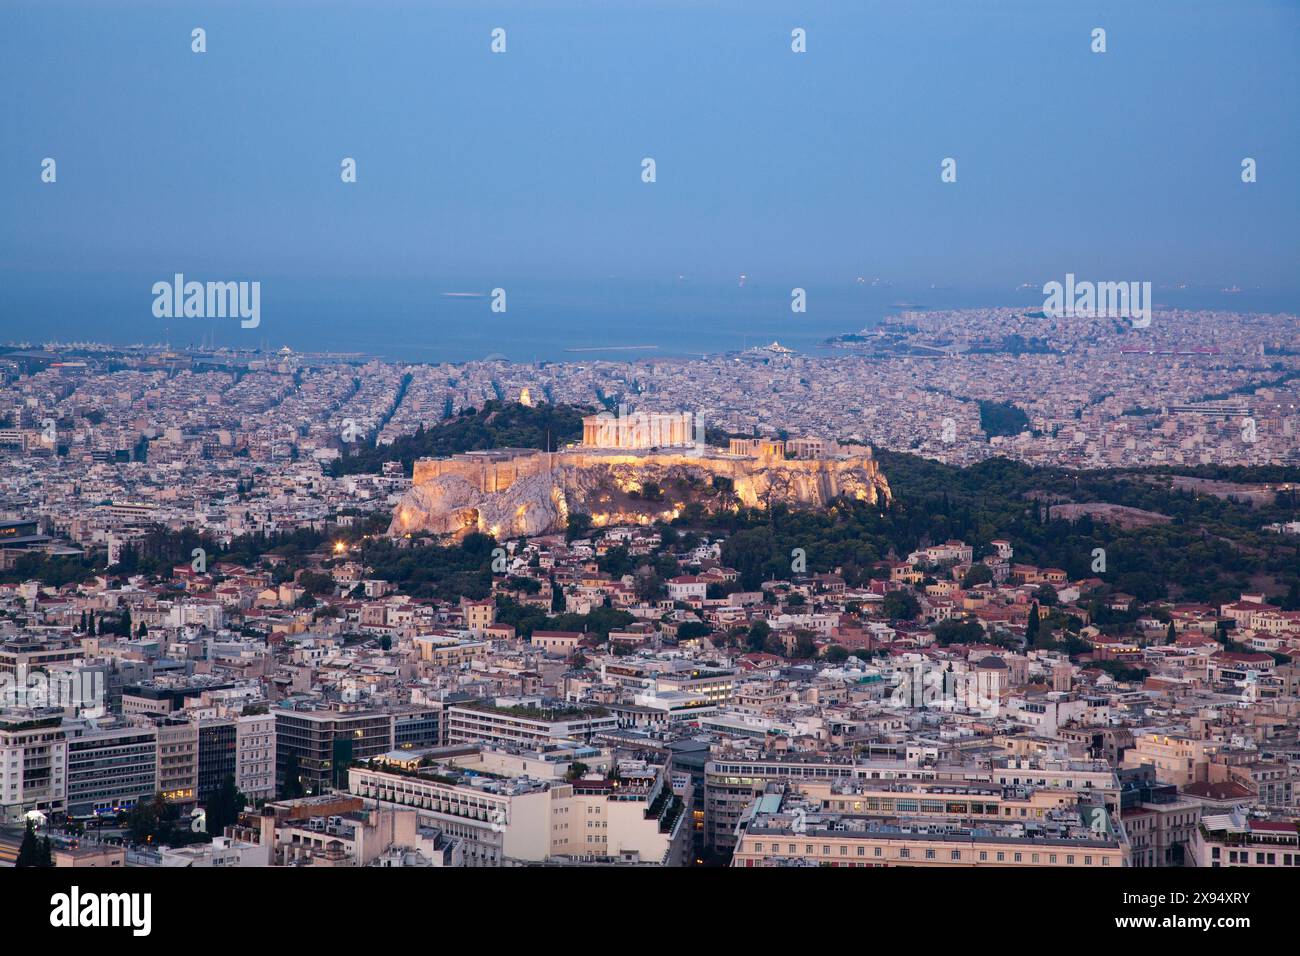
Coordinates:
638	430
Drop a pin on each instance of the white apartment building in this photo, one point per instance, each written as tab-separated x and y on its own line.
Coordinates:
496	821
525	724
634	818
33	764
255	756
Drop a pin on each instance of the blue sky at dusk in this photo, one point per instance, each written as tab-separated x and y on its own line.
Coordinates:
481	168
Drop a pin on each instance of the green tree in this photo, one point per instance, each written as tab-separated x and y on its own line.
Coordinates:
901	605
578	525
751	553
224	806
649	586
692	629
29	851
1033	627
155	820
615	562
804	646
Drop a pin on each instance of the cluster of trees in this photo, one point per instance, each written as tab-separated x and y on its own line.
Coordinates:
446	573
159	822
649	491
759	638
496	425
224	807
527	619
50	570
1210	551
34	851
161	549
119	624
1002	418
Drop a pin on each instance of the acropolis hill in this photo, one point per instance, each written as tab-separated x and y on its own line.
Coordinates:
630	470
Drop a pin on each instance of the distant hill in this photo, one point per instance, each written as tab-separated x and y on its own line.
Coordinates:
495	425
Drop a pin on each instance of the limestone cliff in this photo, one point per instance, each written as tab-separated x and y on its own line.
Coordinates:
510	492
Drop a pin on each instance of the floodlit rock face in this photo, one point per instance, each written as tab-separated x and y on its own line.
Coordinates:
508	493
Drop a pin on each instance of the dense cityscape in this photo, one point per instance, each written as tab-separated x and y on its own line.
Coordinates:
963	589
638	461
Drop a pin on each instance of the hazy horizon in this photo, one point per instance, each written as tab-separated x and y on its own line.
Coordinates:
522	170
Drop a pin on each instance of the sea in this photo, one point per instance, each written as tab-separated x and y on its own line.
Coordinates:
453	320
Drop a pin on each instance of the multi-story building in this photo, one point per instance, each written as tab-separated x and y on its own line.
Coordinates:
479	615
321	744
633	817
217	755
33	764
26	654
1094	778
495	820
419	728
528	724
446	650
1274	782
713	685
1178	759
178	760
1158	819
782	829
1234	839
110	769
732	779
255	756
326	830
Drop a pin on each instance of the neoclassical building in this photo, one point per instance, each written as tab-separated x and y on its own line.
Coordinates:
639	430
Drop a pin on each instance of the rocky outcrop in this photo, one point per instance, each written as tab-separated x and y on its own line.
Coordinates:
508	494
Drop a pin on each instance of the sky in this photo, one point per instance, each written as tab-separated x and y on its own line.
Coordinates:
477	169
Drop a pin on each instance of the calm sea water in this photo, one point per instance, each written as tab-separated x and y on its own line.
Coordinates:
452	320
